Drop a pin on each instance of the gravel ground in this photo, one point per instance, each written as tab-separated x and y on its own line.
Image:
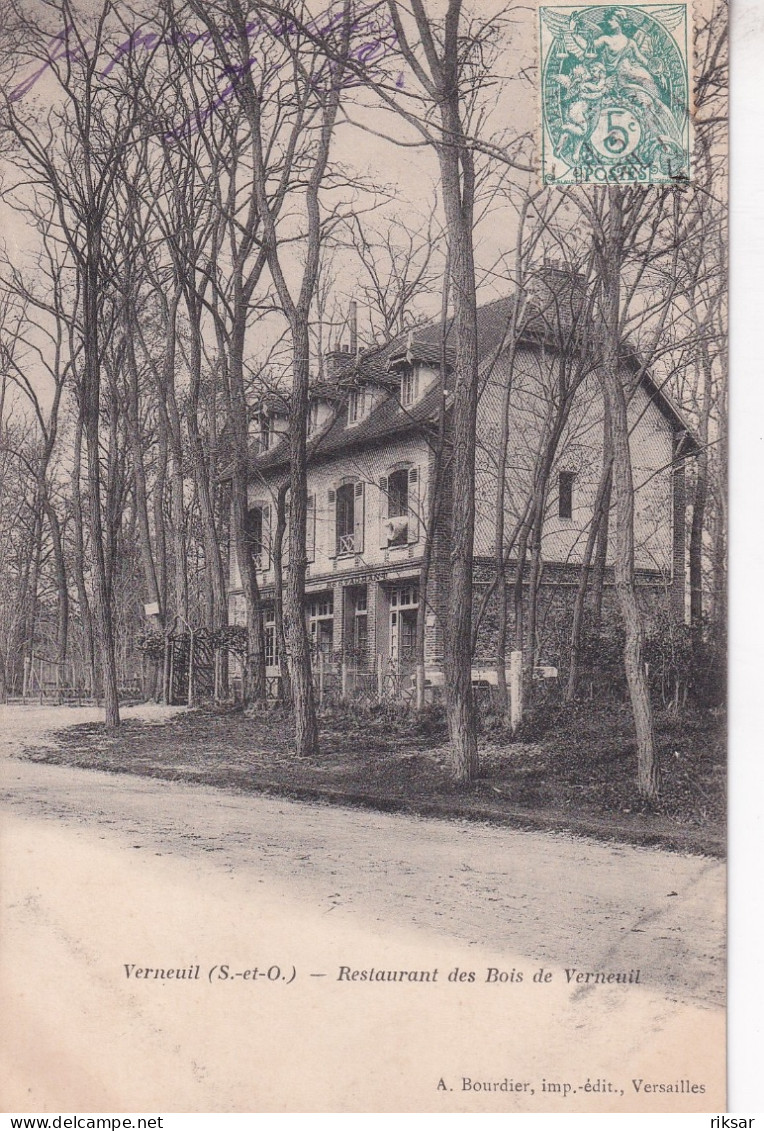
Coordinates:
102	871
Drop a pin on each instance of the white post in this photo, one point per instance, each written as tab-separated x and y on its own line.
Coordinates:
516	689
320	680
380	678
344	678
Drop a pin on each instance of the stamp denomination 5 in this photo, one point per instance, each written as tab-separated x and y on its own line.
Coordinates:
615	94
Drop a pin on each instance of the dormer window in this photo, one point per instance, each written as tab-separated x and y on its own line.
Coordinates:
356	406
265	433
409	386
313	416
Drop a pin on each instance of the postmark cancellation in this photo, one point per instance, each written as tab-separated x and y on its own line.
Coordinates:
615	93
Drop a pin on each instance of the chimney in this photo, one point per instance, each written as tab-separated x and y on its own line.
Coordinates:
557	291
335	361
353	319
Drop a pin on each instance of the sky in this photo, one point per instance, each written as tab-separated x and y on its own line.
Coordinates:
409	173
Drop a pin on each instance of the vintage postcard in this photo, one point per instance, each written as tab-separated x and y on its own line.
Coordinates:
363	556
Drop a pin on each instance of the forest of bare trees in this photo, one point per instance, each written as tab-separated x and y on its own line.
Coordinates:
192	195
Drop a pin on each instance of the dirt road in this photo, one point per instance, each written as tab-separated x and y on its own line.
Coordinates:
105	875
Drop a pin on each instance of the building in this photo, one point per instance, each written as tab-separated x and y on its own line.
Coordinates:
373	436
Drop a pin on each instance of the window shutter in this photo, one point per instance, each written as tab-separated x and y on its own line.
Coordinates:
414	515
331	523
383	501
285	540
310	529
266	554
358	516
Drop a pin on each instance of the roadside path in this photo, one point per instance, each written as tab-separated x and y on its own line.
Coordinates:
102	870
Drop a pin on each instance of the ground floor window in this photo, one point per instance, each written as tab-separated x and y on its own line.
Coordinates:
360	625
271	641
321	622
404	614
405	596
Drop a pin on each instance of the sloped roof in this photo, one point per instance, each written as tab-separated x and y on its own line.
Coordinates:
388	419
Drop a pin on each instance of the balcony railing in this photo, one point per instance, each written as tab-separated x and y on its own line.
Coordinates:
346	544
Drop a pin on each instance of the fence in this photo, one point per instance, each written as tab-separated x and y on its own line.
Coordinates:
388	680
336	680
47	681
193	667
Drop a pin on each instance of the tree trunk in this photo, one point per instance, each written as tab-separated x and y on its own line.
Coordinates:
623	495
62	634
534	582
306	725
601	506
278	585
500	556
139	486
600	557
78	562
433	502
458	185
700	497
160	537
253	686
90	408
32	579
203	471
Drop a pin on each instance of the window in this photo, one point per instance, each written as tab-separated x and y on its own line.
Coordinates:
313	416
346	518
360	626
254	531
399	507
356	406
257	533
322	606
321	623
346	503
565	494
405	597
266	432
410	386
271	642
404	613
407	634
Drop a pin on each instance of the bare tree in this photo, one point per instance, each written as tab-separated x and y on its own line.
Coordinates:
67	157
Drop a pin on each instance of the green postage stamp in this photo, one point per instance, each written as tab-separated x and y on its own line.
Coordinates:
615	94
